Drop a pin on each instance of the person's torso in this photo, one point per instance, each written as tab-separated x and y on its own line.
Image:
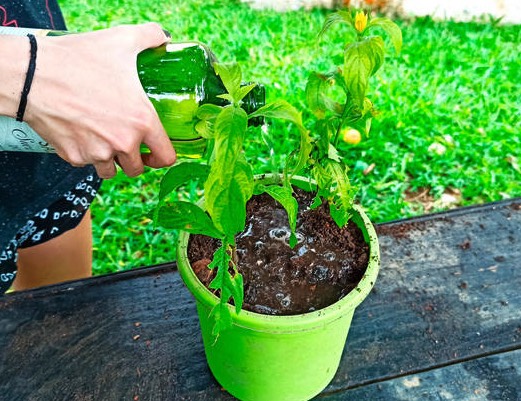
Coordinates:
31	14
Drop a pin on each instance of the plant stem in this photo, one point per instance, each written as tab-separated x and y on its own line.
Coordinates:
342	120
233	254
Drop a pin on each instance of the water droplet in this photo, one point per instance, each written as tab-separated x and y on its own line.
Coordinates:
259	245
279	296
329	256
319	273
300	237
279	234
286	301
265	310
302	250
246	233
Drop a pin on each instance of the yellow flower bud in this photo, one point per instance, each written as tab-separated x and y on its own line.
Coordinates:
360	21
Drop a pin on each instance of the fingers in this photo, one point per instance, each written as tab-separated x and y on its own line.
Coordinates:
131	163
162	153
108	131
150	35
106	169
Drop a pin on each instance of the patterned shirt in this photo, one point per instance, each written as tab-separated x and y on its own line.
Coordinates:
30	182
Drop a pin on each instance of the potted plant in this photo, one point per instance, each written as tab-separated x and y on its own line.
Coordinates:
258	352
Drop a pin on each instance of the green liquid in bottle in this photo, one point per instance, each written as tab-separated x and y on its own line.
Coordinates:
178	78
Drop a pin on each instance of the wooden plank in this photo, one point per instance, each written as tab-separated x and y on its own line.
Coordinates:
447	293
135	336
492	378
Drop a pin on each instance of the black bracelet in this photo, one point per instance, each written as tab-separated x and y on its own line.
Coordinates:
28	78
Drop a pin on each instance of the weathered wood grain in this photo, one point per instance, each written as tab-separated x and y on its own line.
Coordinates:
495	378
447	300
449	289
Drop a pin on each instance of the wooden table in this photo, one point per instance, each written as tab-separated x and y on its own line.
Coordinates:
443	323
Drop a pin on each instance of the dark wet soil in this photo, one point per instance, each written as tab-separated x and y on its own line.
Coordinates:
515	206
325	265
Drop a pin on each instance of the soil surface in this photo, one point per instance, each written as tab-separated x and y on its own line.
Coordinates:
325	265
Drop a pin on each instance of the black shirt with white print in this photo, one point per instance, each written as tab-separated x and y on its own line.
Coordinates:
31	183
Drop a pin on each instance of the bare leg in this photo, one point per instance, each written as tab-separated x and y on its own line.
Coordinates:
66	257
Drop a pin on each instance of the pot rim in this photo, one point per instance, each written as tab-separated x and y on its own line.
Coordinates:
300	322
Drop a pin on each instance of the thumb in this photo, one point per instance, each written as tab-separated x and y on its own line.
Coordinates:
150	35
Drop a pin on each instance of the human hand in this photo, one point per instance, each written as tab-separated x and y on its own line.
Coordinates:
86	100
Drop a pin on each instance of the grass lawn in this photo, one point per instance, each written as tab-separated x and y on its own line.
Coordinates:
448	133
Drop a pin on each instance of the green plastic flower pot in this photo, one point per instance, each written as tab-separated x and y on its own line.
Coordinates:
279	358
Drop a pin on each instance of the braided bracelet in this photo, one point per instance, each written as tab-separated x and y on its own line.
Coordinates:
28	78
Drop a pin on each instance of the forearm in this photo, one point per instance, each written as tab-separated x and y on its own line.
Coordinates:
14	59
86	99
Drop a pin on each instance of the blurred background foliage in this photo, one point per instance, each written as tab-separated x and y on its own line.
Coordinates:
447	133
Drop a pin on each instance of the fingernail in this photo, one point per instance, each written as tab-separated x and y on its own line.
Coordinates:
167	34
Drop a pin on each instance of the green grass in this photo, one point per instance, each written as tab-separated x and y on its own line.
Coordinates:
456	84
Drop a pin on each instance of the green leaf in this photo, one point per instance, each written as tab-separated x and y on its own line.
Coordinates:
229	213
226	96
323	130
334	185
230	130
342	193
220	258
367	127
283	110
322	178
361	60
334	18
243	175
207	114
317	88
368	107
231	76
230	182
230	286
237	290
223	318
188	217
316	202
284	195
181	174
208	111
227	203
279	109
340	81
393	30
243	91
204	128
333	154
304	151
